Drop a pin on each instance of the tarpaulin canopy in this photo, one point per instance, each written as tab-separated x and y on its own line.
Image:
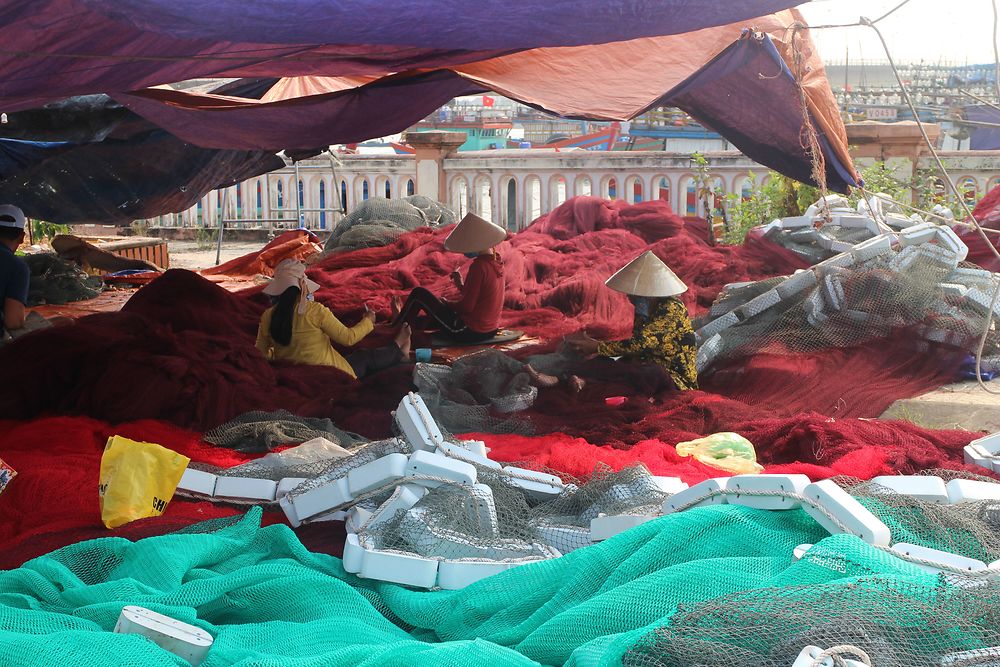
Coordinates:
16	155
743	84
740	85
110	166
58	48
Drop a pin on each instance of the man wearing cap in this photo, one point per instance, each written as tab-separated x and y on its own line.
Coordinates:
476	316
14	273
661	331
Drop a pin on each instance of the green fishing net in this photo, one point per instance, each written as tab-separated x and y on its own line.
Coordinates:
716	577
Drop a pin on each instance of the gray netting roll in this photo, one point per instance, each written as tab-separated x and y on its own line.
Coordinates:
379	221
263	431
970	529
842	306
56	281
477	393
631	490
895	622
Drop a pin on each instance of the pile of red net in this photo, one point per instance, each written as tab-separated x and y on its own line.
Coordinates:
556	268
987	214
182	351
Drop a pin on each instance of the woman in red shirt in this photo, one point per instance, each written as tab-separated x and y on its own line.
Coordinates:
476	315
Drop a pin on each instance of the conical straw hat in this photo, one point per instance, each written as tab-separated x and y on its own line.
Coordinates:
646	275
473	234
290	273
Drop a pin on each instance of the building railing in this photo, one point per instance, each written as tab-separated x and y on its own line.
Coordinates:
510	187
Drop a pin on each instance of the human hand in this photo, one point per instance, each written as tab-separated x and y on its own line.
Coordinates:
369	314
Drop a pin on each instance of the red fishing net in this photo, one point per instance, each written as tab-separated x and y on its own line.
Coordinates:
53	501
182	350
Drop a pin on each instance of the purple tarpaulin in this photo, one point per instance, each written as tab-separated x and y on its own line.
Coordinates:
384	107
983	138
54	49
748	95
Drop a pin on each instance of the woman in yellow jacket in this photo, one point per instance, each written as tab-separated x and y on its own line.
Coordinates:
299	330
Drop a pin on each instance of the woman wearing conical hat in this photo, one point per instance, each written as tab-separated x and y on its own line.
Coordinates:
476	315
661	331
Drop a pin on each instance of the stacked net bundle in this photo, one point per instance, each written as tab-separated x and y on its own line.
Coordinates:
379	221
263	431
56	281
495	519
918	297
895	623
487	521
478	392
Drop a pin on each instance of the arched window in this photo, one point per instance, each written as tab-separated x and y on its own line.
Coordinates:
322	205
691	198
612	188
409	188
302	204
969	189
201	212
343	196
388	190
281	200
364	190
260	201
663	190
512	205
746	191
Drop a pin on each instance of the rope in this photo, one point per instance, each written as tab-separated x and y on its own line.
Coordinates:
996	51
838	653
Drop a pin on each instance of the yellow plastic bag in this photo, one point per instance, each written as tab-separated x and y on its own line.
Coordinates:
727	451
138	479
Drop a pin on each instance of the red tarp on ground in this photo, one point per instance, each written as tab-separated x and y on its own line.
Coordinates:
294	244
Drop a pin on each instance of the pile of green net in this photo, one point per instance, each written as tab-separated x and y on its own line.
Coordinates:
709	586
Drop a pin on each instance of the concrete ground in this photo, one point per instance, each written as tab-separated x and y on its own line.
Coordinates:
964	405
193	255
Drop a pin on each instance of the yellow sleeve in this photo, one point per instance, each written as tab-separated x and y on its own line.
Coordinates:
338	333
263	337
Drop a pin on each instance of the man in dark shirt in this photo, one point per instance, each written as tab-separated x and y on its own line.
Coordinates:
14	274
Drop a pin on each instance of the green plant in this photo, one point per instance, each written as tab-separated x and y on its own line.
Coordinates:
205	237
777	197
140	227
41	230
878	178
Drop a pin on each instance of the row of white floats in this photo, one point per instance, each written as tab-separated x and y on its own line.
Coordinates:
405	478
834	509
917	240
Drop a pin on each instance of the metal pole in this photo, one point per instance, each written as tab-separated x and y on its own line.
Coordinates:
270	221
298	197
222	224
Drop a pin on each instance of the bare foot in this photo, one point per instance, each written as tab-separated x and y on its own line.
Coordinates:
541	379
402	340
576	384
